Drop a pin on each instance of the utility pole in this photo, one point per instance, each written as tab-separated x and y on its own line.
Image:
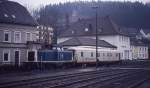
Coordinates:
96	7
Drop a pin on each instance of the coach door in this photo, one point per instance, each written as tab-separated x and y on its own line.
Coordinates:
31	56
17	58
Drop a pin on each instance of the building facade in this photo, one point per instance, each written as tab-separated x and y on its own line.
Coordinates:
18	34
139	41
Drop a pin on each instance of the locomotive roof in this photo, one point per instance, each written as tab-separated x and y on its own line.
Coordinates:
14	13
86	27
76	41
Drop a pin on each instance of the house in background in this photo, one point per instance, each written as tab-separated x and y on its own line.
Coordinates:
140	42
19	35
139	49
107	30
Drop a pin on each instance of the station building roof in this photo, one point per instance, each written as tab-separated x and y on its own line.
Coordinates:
14	13
76	41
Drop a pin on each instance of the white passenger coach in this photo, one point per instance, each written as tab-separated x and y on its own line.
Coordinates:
87	54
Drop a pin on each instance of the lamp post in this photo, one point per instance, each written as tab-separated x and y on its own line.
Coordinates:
96	7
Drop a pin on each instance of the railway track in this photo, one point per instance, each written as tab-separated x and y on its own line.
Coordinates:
72	81
100	79
88	82
40	80
94	79
116	82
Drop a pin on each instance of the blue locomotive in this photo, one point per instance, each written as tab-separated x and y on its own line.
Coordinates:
55	56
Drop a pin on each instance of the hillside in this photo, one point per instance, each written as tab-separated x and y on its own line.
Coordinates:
127	14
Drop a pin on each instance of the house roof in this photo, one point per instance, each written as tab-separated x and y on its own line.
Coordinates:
14	13
146	42
137	42
146	31
106	26
132	32
76	41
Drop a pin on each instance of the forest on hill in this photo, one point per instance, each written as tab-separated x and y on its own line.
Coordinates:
126	14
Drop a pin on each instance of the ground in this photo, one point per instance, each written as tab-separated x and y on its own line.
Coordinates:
131	74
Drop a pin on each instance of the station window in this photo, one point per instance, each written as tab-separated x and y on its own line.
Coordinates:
13	16
5	15
28	36
7	36
82	54
86	29
17	37
6	56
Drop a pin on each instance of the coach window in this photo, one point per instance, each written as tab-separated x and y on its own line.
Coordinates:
110	54
140	49
81	54
98	54
103	54
117	54
91	54
107	54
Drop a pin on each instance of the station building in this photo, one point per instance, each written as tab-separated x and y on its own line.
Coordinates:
18	34
108	31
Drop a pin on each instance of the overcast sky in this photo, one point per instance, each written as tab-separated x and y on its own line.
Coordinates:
36	3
